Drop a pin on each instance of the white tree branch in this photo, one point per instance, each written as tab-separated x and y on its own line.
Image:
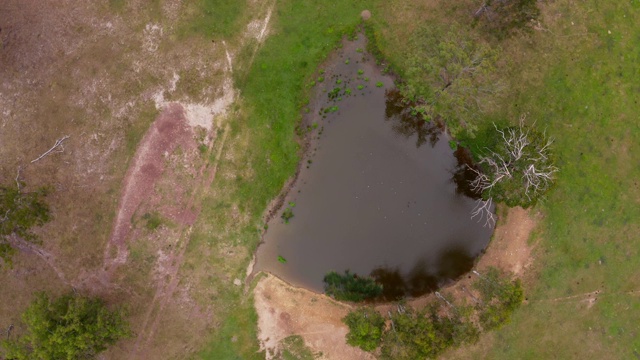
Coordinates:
57	147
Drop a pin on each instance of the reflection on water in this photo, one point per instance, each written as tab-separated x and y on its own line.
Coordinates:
463	174
423	277
406	122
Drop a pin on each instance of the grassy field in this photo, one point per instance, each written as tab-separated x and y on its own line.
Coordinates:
265	153
587	98
576	77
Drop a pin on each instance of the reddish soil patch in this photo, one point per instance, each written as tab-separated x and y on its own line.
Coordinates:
169	131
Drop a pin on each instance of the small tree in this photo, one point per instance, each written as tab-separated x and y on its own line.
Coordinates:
19	212
71	327
517	172
500	298
451	76
365	328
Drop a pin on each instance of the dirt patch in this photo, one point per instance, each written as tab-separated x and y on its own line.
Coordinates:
509	249
284	310
168	132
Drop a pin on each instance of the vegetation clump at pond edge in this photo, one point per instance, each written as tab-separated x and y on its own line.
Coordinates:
426	333
351	287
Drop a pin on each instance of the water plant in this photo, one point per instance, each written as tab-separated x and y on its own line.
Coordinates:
334	93
360	71
287	214
339	81
379	84
347	62
360	87
281	259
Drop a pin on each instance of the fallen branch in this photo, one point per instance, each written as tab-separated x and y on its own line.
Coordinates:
483	211
57	147
18	178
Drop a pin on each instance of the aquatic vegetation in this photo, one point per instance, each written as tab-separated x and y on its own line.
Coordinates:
287	214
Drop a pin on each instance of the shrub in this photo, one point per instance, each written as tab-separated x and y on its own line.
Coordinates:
501	297
365	328
70	327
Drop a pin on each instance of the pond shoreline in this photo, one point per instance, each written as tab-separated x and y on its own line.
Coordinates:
434	241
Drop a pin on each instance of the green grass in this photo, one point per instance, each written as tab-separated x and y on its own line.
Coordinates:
236	337
266	152
587	99
581	88
213	18
580	83
294	348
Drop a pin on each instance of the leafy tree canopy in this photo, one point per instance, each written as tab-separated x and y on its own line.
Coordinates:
365	328
451	75
70	327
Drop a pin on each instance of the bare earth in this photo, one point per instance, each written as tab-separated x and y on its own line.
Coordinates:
284	310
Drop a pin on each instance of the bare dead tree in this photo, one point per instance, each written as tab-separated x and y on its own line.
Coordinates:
482	210
58	147
521	162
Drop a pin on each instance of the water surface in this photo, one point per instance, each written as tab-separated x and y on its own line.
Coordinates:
378	193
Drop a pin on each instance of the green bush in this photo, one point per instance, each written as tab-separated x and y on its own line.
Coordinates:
350	287
70	327
500	298
365	328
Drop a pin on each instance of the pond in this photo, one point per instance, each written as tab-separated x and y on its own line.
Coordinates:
380	191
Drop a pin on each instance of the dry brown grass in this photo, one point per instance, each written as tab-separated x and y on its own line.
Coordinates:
85	70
